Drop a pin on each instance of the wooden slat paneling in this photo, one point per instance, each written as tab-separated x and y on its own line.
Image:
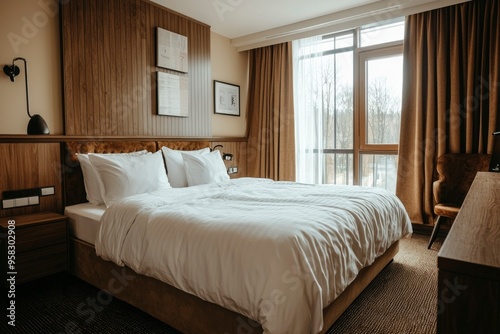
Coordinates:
109	69
29	165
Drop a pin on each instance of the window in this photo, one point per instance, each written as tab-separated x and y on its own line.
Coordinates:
347	91
381	82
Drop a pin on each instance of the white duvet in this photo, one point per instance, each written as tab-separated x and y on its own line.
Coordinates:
276	252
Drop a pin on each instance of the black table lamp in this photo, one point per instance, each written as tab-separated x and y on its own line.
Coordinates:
36	125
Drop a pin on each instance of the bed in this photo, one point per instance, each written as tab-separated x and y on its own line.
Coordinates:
240	256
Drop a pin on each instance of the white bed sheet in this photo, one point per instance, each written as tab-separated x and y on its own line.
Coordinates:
276	252
85	220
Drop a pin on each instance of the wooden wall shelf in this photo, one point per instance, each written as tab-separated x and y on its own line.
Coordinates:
62	138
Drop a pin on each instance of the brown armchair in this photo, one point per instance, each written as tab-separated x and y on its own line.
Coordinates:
455	175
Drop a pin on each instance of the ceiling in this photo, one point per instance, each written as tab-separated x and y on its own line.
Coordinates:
253	23
237	18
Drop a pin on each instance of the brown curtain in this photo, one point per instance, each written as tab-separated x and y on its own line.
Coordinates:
271	138
451	94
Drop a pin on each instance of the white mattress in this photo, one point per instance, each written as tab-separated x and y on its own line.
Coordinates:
85	220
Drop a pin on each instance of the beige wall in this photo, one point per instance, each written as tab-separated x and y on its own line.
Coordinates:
231	66
30	29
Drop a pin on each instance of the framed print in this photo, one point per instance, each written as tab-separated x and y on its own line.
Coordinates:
226	98
171	50
172	94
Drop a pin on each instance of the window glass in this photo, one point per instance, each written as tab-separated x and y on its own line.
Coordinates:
339	168
382	32
337	100
378	170
384	80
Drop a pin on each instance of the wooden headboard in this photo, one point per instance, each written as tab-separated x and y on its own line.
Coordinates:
74	189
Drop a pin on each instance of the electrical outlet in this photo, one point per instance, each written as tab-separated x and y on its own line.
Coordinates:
232	170
46	191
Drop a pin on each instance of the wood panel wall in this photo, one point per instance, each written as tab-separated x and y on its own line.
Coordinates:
109	72
31	165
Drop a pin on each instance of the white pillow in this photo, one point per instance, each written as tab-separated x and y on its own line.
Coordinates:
203	169
175	165
90	177
121	176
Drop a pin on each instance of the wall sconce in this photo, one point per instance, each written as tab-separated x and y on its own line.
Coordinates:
36	125
216	147
225	156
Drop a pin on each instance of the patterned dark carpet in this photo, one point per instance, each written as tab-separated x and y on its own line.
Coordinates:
402	299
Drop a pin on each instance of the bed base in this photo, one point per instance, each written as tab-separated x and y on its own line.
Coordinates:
188	313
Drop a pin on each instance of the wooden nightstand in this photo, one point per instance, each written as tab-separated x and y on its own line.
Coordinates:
41	245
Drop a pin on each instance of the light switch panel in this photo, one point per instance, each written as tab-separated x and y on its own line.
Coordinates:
21	201
8	203
33	200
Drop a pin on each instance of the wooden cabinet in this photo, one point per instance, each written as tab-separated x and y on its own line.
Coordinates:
469	263
41	245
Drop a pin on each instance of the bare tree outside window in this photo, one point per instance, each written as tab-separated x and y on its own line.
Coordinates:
384	100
